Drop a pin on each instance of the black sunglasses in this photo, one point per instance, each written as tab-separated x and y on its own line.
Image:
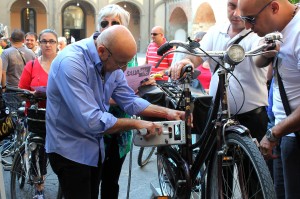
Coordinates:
104	24
252	20
154	34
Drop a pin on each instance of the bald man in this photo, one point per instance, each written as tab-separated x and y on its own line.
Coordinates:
158	39
82	79
266	16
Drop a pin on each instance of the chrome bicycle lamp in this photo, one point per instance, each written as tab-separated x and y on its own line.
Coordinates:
32	146
234	55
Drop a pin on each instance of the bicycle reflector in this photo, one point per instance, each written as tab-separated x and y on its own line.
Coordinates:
235	54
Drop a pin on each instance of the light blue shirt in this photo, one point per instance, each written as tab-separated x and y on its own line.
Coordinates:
78	101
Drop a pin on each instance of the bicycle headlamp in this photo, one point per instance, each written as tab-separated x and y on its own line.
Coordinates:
235	54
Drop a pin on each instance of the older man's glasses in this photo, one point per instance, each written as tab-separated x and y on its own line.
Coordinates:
252	19
104	24
120	66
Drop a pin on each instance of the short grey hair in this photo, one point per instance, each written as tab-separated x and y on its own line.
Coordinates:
113	10
63	39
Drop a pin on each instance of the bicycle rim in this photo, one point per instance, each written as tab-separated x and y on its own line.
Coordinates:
23	187
145	154
173	175
244	172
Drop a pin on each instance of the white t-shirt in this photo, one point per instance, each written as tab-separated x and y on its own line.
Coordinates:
251	78
289	69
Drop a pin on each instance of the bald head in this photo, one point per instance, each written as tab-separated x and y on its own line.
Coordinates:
120	43
265	16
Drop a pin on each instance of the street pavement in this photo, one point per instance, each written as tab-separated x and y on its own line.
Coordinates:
141	178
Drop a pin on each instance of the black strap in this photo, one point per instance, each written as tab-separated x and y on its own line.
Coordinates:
22	56
284	98
235	42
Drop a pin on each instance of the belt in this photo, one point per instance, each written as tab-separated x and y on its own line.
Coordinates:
255	111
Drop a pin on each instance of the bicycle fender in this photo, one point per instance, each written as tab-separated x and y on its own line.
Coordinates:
239	129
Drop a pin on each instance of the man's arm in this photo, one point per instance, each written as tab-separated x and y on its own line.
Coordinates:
266	58
288	125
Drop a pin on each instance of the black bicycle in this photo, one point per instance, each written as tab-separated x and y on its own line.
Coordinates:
31	170
225	162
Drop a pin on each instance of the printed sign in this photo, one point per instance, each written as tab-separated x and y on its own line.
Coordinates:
137	74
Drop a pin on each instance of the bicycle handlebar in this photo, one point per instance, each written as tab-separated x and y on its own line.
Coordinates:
233	55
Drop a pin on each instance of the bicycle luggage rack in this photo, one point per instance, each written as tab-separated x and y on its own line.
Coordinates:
173	133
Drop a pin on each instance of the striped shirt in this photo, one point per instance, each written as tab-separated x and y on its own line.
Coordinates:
153	58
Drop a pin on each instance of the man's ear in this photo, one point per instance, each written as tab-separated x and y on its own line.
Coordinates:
101	51
275	7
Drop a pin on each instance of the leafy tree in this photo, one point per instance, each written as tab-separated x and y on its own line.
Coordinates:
294	1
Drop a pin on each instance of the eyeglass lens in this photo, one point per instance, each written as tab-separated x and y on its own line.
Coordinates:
104	24
50	42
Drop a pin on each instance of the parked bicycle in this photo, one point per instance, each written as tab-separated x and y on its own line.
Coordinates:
31	171
15	106
225	162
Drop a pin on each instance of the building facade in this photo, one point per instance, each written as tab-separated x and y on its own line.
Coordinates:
78	18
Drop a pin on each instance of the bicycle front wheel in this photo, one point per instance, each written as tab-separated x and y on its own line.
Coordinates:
23	184
173	173
145	154
242	170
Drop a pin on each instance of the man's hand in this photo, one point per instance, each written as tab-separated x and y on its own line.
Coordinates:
175	115
175	70
266	148
152	128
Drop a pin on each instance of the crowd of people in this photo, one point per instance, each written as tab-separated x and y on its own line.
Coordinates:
89	102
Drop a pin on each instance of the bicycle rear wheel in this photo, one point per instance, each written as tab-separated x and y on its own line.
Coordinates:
145	154
22	185
244	172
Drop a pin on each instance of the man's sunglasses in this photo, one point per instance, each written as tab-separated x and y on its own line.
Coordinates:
155	34
252	19
104	24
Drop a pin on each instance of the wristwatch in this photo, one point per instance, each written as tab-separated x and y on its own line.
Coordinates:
270	136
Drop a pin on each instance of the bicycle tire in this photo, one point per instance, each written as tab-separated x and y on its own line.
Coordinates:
244	171
173	174
22	187
145	154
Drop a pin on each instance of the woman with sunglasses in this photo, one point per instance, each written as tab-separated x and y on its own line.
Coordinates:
116	145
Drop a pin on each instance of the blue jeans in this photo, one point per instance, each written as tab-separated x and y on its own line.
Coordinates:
287	169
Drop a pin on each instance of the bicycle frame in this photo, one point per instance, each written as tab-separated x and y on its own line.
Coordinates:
212	142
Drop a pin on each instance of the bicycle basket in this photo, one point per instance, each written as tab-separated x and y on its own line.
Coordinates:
12	100
36	121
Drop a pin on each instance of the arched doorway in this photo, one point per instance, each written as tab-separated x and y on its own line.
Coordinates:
204	18
178	21
32	16
73	23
